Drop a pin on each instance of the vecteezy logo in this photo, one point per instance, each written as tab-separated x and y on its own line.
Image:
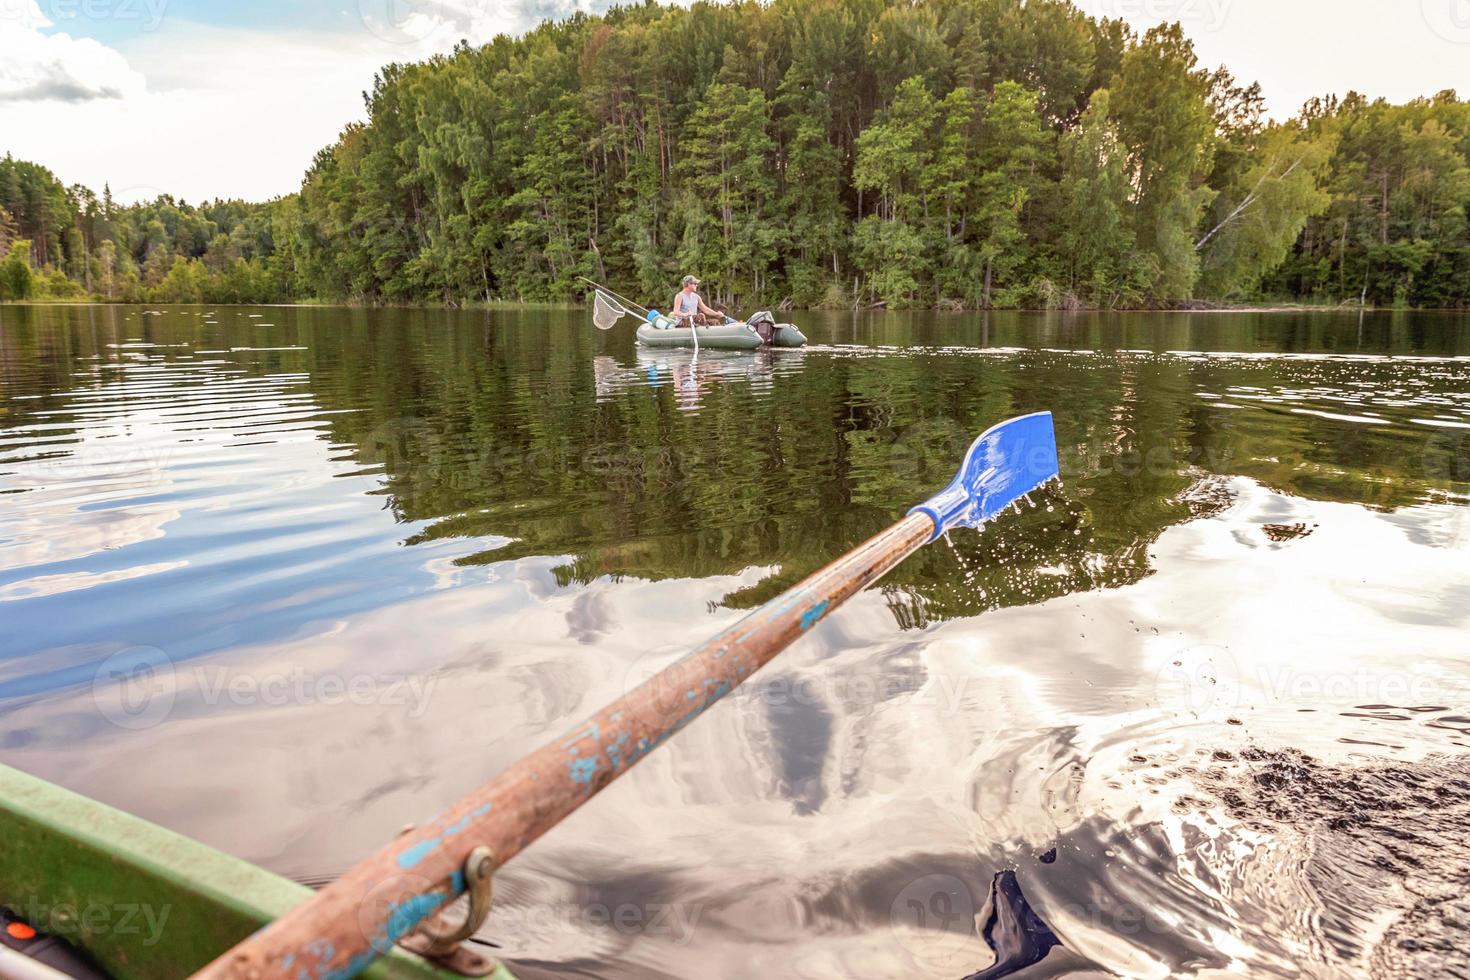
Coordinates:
1198	680
917	453
395	902
401	21
650	666
934	917
150	12
1209	15
135	688
1450	19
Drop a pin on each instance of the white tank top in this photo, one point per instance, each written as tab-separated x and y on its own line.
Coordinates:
688	303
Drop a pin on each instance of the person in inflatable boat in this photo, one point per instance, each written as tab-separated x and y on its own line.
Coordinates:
689	309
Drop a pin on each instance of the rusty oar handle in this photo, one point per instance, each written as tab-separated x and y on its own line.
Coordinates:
340	930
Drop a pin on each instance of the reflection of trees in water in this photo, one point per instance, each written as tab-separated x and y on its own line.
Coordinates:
536	429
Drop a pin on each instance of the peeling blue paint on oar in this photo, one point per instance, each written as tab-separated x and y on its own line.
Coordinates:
410	856
810	617
341	929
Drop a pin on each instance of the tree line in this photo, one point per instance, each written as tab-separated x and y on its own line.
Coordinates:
949	153
59	242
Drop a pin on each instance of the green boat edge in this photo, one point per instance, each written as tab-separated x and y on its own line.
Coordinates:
93	875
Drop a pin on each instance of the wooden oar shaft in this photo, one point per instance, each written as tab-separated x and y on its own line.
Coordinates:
358	917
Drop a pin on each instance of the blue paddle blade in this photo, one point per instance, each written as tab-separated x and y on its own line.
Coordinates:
1007	462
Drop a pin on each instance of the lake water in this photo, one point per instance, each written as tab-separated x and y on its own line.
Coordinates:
1205	704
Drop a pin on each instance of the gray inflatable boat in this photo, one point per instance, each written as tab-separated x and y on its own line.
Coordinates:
761	330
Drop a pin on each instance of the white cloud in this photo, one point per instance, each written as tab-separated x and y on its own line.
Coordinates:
229	112
35	66
419	28
1297	49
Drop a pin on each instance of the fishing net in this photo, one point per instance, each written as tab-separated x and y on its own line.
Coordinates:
606	311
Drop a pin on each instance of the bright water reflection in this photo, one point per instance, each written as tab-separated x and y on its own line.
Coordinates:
1207	699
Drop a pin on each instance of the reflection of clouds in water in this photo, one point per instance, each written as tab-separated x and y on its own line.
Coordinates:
502	670
100	450
450	573
32	540
163	464
1146	887
41	586
786	822
1009	736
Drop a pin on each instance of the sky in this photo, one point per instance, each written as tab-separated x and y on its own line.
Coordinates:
232	98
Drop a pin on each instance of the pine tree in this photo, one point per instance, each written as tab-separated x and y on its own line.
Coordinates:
1160	103
1094	236
1012	142
728	168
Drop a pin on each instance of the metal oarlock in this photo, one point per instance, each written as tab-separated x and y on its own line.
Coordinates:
444	944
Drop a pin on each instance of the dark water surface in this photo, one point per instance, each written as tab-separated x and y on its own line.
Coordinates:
1206	704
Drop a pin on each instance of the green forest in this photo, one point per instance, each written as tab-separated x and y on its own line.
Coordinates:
842	153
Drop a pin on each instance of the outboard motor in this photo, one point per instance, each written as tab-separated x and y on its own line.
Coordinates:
765	325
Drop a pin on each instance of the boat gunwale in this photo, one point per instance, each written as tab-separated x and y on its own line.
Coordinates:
67	854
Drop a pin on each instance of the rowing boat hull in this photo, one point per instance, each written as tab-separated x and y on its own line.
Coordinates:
735	336
141	901
788	336
730	336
